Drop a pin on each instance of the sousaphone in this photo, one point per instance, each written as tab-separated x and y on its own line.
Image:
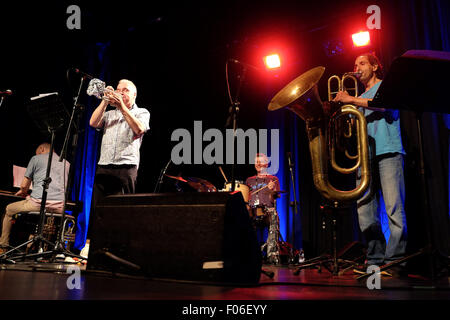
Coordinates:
301	97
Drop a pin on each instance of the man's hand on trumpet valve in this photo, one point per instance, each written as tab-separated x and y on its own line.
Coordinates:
117	100
108	93
113	98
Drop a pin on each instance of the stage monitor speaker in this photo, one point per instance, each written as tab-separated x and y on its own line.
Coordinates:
186	236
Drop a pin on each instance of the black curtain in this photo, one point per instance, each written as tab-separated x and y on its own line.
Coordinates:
424	25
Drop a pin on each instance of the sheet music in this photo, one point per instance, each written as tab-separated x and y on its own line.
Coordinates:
18	174
42	95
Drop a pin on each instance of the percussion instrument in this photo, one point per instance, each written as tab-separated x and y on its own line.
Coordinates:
239	186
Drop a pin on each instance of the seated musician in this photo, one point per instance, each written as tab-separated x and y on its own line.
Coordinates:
262	185
36	173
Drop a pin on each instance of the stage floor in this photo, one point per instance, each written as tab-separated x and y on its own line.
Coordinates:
49	281
29	287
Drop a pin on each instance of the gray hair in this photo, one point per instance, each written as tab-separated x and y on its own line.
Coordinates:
130	83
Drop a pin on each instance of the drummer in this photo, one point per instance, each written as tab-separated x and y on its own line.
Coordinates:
263	186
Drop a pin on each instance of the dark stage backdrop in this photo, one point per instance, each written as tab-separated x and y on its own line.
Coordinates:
176	56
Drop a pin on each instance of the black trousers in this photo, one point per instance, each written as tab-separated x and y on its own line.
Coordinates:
110	180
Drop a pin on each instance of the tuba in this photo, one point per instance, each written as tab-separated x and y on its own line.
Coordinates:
301	96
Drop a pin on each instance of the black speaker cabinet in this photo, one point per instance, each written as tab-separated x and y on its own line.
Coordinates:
186	236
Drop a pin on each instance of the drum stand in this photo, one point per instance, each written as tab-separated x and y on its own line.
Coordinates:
269	274
272	242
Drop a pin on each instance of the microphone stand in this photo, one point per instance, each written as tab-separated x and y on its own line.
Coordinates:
293	204
234	110
161	177
66	139
59	245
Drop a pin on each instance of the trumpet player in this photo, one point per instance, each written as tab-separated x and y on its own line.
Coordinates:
383	127
123	130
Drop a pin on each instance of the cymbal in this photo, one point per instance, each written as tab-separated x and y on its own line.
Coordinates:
176	178
198	184
201	185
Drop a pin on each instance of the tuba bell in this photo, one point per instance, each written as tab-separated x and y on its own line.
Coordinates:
301	96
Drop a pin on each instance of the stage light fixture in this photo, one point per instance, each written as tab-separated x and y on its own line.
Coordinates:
272	61
361	39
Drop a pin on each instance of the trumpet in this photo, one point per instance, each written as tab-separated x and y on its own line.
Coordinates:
301	97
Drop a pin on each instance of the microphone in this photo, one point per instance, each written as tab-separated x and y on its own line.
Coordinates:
6	93
167	166
355	74
83	74
161	176
244	64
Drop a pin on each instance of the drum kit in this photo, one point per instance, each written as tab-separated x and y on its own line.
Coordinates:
262	216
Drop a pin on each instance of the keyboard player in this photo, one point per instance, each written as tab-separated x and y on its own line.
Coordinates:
35	173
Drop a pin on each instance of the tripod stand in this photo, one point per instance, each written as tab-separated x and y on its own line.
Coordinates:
49	115
332	262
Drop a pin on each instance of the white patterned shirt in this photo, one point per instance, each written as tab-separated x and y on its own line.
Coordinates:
119	143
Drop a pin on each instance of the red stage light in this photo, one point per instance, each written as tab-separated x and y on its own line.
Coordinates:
272	61
361	39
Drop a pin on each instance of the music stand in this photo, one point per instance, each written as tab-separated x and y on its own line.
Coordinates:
49	115
415	82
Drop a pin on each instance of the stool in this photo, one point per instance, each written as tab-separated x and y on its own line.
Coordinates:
49	230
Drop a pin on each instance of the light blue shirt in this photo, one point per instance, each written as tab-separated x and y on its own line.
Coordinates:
37	170
384	127
119	143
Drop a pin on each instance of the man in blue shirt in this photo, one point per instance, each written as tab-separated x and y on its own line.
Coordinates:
123	130
35	173
383	127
